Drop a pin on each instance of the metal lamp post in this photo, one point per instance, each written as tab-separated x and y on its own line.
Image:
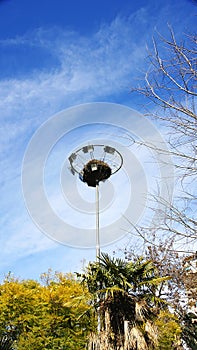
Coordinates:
93	164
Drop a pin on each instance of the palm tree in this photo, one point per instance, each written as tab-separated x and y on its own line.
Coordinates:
189	327
125	300
6	343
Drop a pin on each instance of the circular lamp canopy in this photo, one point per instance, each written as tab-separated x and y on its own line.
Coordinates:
95	163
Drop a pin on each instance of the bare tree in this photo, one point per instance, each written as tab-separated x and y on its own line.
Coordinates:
170	86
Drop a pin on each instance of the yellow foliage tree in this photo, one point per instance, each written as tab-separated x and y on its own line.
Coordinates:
169	331
53	314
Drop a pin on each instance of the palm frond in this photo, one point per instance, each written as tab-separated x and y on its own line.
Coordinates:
154	280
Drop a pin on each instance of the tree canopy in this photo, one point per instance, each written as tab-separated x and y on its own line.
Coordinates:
53	314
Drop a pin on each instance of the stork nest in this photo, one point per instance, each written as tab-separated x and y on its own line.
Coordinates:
93	176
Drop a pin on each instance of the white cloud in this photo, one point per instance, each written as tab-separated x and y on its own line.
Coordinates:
87	70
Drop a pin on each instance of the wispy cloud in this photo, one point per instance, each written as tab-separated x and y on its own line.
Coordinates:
87	69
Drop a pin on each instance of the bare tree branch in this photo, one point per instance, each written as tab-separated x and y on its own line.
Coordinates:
171	85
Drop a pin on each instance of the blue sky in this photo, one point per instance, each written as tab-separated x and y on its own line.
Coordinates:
55	55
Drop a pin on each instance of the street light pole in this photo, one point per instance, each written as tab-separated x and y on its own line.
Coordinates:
97	224
98	251
93	169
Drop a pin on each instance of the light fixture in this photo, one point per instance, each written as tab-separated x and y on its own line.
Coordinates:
93	164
